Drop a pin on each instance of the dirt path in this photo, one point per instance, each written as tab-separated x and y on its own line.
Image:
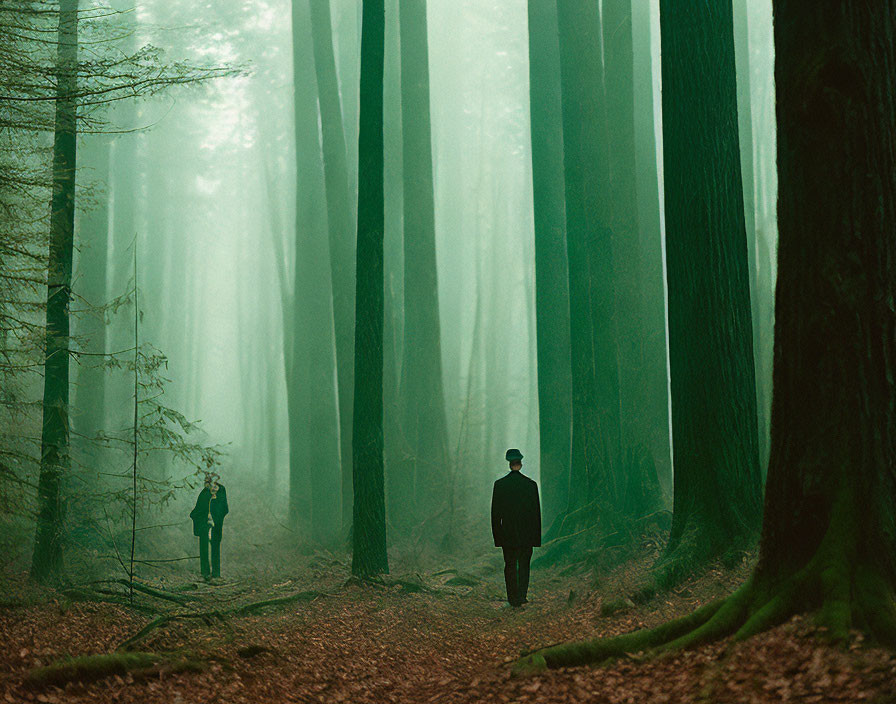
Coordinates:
448	643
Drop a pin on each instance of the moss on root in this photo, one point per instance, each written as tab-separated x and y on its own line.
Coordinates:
90	668
842	591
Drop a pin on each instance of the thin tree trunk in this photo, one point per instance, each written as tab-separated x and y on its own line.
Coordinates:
55	460
369	555
551	270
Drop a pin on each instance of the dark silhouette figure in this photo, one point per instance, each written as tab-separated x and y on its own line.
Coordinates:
516	526
208	524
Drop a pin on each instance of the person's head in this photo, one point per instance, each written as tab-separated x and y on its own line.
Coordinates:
515	458
211	482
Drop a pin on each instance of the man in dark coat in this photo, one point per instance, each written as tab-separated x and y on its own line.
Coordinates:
208	524
516	526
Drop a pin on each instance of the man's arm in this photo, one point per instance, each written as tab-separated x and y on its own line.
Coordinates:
496	518
536	522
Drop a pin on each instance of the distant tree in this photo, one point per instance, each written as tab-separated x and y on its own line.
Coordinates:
369	555
717	490
828	542
654	397
55	460
341	231
314	471
595	439
643	386
551	269
92	239
423	424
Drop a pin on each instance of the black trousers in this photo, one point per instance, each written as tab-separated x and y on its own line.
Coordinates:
216	555
516	573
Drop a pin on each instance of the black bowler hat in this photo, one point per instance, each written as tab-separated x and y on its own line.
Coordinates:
513	455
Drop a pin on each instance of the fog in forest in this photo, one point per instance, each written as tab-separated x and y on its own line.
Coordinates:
232	203
465	315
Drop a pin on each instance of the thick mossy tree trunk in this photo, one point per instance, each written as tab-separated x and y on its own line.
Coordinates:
551	271
424	426
717	503
369	527
55	461
829	533
341	231
595	445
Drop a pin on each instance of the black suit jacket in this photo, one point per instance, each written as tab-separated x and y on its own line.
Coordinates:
205	507
516	512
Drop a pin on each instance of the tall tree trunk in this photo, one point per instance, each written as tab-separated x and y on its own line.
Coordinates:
92	263
831	493
341	230
369	526
637	485
829	531
55	460
551	270
595	391
393	265
717	505
311	383
654	403
424	426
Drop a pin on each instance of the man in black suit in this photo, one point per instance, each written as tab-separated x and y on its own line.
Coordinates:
208	523
516	526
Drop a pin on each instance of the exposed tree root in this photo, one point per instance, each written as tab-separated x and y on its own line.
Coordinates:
281	601
841	593
89	668
157	593
411	586
219	615
106	596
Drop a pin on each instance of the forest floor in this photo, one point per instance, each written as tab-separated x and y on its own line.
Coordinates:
432	637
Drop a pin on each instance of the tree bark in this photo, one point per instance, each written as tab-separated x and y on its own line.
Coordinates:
311	384
717	503
369	555
637	492
551	268
595	438
341	231
55	460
